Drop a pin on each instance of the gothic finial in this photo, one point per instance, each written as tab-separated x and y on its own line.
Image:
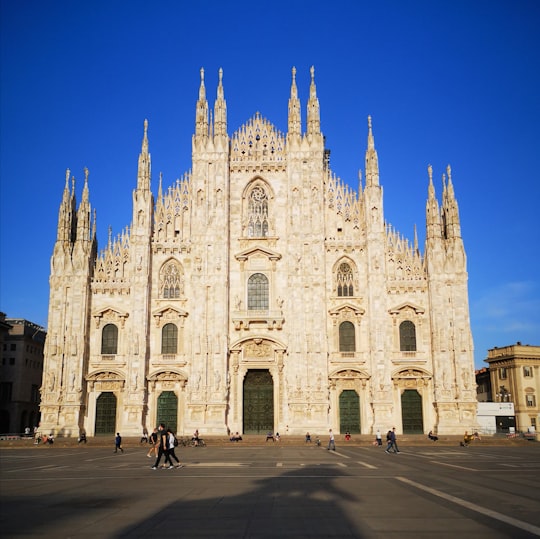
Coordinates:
86	173
430	173
68	172
371	140
312	71
294	73
220	74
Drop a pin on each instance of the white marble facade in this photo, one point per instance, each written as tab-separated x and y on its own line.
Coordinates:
259	259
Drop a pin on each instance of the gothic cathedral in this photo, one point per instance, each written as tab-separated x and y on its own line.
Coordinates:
258	293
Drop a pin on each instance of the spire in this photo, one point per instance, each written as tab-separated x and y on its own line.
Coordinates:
433	222
160	188
220	109
295	120
313	113
201	114
372	161
143	173
84	212
450	208
64	214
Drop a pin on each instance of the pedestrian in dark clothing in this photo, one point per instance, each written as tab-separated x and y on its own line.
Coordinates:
392	442
163	448
153	444
118	443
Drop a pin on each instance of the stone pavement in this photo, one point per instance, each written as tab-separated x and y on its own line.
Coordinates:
272	490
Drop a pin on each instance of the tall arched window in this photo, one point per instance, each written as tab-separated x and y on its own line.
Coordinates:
257	225
407	336
347	340
258	292
170	280
109	339
169	339
345	280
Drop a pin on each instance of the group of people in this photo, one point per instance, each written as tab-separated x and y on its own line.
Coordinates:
163	441
271	436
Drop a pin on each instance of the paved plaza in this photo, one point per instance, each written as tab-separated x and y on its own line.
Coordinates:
272	491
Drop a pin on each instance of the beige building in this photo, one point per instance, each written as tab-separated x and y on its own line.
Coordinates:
259	292
515	377
21	372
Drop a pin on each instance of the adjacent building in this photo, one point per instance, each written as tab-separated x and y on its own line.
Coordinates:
515	377
21	372
259	292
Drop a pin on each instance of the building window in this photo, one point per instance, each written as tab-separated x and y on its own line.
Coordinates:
169	339
5	391
347	341
12	361
345	280
502	373
171	286
258	292
257	226
527	372
13	346
407	336
530	400
109	340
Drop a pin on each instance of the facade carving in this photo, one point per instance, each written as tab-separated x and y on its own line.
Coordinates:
258	292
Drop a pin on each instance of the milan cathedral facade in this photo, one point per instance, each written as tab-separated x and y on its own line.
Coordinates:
258	293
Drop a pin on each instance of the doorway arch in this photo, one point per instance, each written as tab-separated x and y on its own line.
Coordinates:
349	412
167	410
411	412
258	402
105	414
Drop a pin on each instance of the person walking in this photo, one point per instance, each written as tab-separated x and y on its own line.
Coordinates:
173	442
163	448
378	437
118	443
331	441
153	444
144	437
392	441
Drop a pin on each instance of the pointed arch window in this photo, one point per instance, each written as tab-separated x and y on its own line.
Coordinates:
109	340
347	339
170	280
407	336
169	339
258	292
257	226
345	280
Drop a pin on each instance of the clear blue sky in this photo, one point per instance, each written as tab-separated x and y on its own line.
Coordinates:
446	82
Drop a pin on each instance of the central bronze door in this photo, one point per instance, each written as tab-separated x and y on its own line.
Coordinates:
105	414
167	409
258	402
349	412
411	412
